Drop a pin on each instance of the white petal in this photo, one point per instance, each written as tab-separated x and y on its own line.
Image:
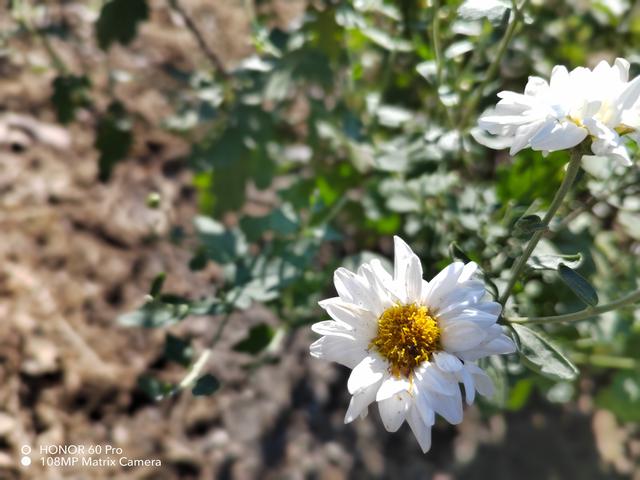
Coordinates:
630	94
559	77
473	315
430	377
362	321
391	386
329	327
393	411
413	280
467	272
450	407
622	66
421	431
469	386
338	349
355	289
558	136
366	373
484	384
424	407
461	336
447	362
497	346
360	402
442	283
402	254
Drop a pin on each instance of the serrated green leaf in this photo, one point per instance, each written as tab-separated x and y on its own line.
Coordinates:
578	284
259	338
118	21
542	356
205	385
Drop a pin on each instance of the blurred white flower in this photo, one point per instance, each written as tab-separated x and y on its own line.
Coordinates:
601	103
411	342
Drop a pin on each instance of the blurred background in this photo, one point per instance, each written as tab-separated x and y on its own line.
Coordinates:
245	149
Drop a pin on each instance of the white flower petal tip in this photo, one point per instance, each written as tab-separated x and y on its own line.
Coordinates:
561	114
410	343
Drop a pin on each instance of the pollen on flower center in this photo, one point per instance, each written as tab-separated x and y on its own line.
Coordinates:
407	336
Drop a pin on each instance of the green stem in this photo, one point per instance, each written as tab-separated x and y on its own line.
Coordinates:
590	203
437	46
20	10
495	64
606	361
195	31
570	175
585	314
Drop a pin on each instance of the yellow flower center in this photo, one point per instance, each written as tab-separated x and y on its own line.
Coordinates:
407	336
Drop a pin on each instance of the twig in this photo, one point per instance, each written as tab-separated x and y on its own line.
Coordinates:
210	54
495	64
570	175
585	314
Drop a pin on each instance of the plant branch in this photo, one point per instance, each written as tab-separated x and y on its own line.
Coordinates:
437	47
606	361
495	64
190	24
570	175
627	300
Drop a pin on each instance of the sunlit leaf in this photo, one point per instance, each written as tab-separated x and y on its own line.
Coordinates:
542	356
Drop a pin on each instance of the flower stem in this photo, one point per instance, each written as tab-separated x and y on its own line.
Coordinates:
606	361
585	314
570	175
197	34
437	47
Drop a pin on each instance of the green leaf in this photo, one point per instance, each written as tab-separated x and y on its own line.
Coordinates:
259	338
118	21
623	396
199	260
519	394
155	314
553	262
69	93
529	224
542	356
113	138
205	385
177	350
154	388
456	253
156	285
578	284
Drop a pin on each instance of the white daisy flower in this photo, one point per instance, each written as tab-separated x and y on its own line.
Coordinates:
410	342
600	103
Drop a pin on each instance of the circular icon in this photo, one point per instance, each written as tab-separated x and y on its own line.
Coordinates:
26	449
26	461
